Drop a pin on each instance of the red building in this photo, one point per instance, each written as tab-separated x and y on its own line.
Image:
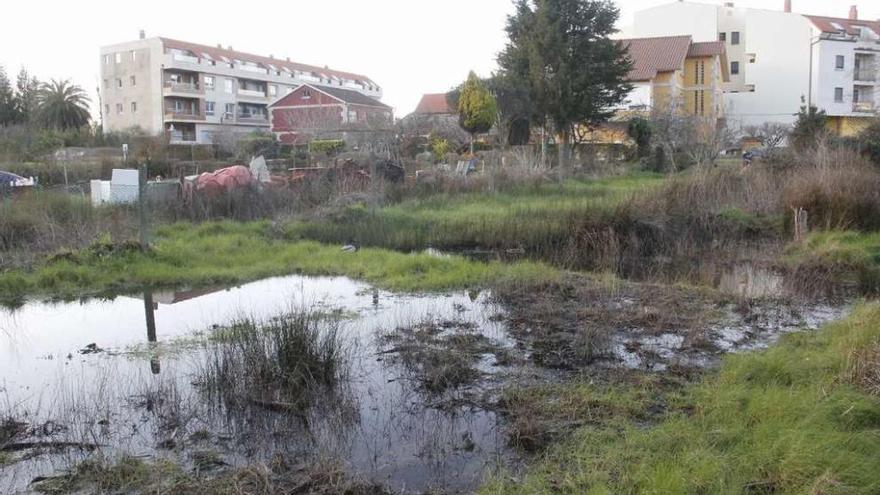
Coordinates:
324	112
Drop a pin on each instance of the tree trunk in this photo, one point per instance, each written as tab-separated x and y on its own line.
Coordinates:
473	138
562	149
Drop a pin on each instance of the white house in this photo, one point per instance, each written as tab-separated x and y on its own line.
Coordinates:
779	57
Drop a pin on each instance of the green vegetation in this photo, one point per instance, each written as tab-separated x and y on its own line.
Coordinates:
847	257
801	417
477	108
536	217
228	252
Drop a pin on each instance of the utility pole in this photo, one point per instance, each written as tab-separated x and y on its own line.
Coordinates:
142	207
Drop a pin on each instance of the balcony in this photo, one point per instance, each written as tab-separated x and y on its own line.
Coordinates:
180	57
865	75
251	93
864	107
183	116
183	88
252	118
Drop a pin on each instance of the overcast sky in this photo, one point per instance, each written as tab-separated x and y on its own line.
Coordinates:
409	47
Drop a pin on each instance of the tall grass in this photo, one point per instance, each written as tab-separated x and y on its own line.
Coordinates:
797	418
281	361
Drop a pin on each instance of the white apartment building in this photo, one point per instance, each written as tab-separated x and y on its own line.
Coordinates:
192	92
778	57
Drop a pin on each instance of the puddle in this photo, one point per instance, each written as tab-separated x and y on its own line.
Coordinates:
119	373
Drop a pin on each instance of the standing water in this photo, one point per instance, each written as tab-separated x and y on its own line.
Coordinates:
122	376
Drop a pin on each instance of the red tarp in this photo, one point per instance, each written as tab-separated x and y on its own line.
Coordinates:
224	179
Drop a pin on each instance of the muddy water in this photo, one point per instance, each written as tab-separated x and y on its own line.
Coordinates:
119	373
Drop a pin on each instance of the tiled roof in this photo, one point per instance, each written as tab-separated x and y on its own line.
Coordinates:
653	55
350	96
219	54
826	24
344	95
706	49
434	104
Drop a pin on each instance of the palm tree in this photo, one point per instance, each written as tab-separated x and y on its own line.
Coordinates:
62	105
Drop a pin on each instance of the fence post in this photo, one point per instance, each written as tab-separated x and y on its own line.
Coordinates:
142	207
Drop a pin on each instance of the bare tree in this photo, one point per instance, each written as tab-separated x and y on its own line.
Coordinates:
770	134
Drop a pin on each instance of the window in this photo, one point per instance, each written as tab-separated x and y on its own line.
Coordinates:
722	36
209	108
118	58
273	90
133	56
306	94
230	110
133	81
734	68
734	38
840	62
106	59
228	85
118	83
106	109
106	84
209	83
352	116
119	108
855	95
134	107
838	95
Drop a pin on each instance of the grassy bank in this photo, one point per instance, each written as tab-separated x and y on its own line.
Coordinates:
529	216
847	259
801	417
230	252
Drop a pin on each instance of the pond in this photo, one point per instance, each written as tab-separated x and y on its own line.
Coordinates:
121	375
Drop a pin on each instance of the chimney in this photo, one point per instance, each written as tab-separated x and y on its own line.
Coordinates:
288	59
854	13
229	48
142	34
219	46
788	6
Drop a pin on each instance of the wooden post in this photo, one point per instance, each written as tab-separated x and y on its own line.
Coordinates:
801	226
142	207
150	316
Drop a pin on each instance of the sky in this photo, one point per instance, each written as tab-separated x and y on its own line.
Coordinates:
409	47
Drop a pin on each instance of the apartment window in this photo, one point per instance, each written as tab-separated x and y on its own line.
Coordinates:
855	95
840	62
838	95
133	80
230	110
734	38
209	108
209	83
734	68
106	59
273	90
106	109
118	58
118	83
227	83
133	56
106	84
722	37
119	108
134	107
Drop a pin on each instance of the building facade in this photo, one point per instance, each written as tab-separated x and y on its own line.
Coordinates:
675	74
312	111
779	58
193	92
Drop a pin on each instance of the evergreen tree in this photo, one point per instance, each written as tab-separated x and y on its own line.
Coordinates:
562	51
28	88
8	110
810	127
477	108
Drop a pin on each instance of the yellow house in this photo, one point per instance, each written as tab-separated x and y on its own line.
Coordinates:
674	74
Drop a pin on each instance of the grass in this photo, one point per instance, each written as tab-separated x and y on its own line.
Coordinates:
796	418
229	252
524	216
842	256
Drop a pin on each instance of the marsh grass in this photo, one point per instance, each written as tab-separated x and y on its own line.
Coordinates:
229	252
795	418
283	361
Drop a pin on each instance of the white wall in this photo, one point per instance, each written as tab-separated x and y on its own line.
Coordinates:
679	18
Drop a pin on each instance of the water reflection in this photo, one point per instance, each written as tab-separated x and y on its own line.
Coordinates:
380	423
